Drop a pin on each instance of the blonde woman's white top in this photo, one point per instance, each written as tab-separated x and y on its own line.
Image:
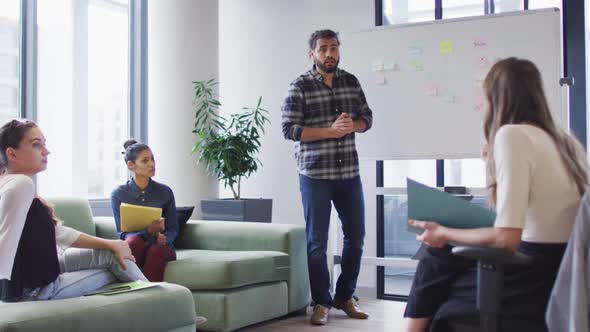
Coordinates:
534	192
65	237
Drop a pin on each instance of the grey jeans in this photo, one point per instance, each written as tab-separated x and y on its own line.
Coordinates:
83	271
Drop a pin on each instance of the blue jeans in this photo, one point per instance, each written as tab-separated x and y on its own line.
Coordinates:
83	271
347	196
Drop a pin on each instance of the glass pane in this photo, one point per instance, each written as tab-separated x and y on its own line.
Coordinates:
536	4
9	60
462	8
501	6
108	73
398	242
82	95
406	11
395	172
470	173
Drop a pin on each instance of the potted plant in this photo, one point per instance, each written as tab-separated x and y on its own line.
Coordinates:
228	148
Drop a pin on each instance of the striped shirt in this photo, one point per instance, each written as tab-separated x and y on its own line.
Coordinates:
311	103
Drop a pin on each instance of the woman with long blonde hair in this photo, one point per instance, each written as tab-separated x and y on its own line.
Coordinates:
537	174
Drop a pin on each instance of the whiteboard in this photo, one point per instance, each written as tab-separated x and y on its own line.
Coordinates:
423	81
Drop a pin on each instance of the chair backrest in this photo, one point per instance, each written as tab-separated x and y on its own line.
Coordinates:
569	302
75	213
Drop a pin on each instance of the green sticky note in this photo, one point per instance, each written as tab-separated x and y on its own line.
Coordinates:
431	204
448	97
416	65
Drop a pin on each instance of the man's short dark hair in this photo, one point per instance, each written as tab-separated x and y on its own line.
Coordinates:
322	34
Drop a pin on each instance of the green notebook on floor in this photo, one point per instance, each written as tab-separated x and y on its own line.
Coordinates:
118	288
426	203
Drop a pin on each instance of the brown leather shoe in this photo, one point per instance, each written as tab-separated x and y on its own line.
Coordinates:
320	315
350	308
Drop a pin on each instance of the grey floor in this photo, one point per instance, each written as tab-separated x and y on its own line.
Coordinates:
384	316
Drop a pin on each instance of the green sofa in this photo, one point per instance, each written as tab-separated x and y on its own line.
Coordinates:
242	273
238	273
167	307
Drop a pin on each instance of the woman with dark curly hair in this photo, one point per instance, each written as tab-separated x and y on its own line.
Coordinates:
153	246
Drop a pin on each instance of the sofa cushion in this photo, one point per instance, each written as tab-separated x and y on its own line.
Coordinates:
213	269
161	308
105	228
75	213
230	309
183	214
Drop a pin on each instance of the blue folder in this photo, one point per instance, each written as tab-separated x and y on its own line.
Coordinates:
426	203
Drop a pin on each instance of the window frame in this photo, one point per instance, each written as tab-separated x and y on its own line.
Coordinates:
138	68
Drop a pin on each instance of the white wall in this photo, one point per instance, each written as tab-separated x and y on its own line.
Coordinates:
182	47
262	48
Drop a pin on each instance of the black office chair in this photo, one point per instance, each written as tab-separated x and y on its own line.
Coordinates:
490	280
490	283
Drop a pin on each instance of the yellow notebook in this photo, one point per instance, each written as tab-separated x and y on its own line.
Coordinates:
136	217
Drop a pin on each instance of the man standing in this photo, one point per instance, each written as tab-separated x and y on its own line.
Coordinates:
321	113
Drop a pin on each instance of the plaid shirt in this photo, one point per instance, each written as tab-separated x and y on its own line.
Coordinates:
311	103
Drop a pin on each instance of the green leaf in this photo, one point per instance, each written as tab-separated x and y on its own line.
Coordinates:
226	145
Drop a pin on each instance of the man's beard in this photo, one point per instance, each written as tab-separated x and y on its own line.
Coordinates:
325	69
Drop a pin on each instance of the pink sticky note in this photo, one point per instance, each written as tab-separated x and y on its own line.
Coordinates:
432	91
480	104
479	43
483	61
379	78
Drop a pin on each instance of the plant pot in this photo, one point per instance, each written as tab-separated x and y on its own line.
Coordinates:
256	210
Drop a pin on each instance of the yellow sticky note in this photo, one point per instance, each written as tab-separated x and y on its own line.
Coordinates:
446	47
377	65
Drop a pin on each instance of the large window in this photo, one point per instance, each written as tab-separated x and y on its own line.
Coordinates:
395	172
469	173
397	241
536	4
407	11
462	8
83	70
501	6
9	60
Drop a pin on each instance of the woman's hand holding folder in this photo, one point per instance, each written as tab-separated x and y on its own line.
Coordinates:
434	234
156	227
